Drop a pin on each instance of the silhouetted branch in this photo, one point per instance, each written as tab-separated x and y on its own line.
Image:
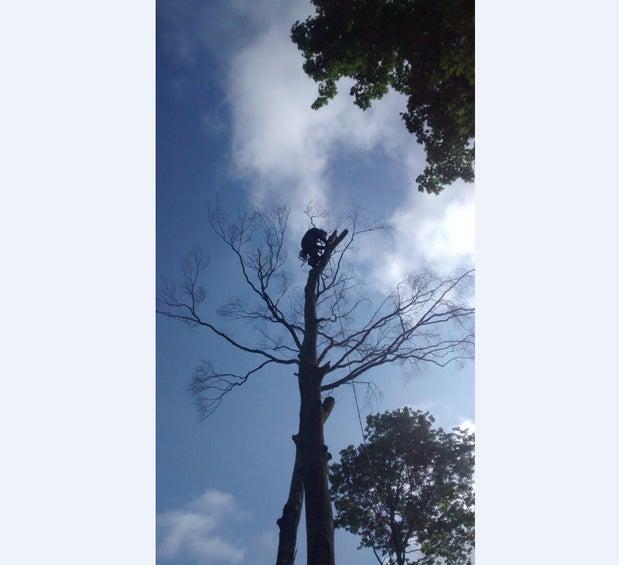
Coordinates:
424	320
263	264
409	326
208	387
183	304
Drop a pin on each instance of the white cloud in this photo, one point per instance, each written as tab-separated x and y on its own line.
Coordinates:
198	529
452	237
467	424
284	150
432	231
280	144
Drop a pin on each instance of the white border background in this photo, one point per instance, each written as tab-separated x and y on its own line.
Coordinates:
78	270
77	219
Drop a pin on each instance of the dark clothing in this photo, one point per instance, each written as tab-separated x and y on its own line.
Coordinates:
312	246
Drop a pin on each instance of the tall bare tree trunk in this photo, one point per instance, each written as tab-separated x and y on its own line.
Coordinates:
318	512
289	522
314	454
291	514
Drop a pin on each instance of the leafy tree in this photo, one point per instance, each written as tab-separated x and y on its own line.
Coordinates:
424	49
408	490
325	330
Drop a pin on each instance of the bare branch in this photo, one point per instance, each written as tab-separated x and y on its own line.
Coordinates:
183	305
424	319
209	387
194	320
409	326
263	264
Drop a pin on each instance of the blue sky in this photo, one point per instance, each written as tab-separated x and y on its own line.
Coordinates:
234	122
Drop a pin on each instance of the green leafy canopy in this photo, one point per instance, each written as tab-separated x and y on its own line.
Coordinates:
424	49
408	491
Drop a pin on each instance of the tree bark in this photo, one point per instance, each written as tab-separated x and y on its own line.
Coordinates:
314	453
318	512
291	514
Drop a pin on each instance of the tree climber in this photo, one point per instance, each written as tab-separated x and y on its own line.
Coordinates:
313	245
